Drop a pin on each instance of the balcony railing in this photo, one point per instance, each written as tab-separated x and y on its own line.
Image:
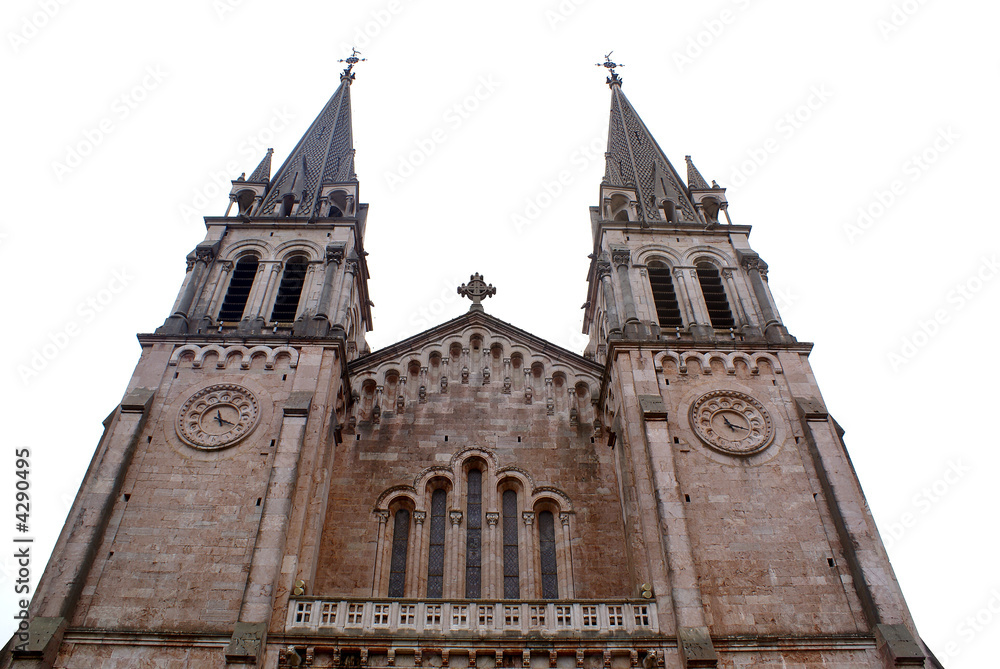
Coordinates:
481	618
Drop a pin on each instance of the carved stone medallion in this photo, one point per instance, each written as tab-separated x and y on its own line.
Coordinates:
732	422
217	417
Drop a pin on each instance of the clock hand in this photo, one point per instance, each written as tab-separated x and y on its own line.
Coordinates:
732	426
218	417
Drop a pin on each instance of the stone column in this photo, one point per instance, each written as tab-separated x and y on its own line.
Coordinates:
610	303
528	557
351	268
756	269
564	558
414	555
550	401
491	557
378	582
741	314
334	256
215	303
621	258
422	387
528	392
454	575
506	377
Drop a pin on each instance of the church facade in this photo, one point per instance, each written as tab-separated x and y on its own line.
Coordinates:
272	493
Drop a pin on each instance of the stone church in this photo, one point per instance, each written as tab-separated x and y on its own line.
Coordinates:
272	493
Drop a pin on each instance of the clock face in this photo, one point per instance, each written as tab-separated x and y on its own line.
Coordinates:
217	416
732	422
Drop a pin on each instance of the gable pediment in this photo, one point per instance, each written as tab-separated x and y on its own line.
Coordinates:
480	350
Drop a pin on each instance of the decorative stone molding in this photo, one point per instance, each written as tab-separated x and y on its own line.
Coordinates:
492	518
621	256
704	360
247	355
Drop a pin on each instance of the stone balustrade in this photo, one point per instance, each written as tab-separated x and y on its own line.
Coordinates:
461	617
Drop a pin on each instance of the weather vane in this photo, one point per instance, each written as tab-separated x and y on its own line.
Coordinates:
611	65
351	61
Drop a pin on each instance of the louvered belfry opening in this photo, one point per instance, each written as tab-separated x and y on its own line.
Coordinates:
668	311
511	571
435	555
715	296
547	553
474	535
400	542
289	291
239	288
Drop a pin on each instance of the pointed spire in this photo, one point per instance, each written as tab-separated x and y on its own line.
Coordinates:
695	180
324	155
635	160
262	174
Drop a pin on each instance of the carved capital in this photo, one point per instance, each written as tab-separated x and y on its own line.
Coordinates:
205	254
492	518
419	517
528	517
227	266
456	518
621	256
564	518
351	266
603	269
383	516
334	253
727	273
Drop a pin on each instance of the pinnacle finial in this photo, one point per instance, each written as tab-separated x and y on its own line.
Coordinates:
614	79
476	290
351	61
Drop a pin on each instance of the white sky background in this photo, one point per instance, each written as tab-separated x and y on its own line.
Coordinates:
922	429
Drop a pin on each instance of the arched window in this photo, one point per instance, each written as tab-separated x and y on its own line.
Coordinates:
715	296
239	288
289	291
511	572
435	554
547	553
244	200
668	312
400	542
474	535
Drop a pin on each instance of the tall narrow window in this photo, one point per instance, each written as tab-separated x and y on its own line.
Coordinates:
715	296
474	535
239	288
511	581
547	550
668	312
400	541
435	556
290	290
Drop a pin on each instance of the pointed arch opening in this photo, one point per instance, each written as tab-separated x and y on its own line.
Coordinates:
244	201
240	283
286	304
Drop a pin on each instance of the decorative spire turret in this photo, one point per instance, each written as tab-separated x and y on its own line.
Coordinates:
695	180
709	200
262	174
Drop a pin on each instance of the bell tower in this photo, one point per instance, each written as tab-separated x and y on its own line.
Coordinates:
180	525
741	509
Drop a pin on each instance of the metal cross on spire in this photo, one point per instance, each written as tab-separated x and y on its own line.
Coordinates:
351	61
611	65
476	290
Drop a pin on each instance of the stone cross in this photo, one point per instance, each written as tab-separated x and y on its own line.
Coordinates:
476	290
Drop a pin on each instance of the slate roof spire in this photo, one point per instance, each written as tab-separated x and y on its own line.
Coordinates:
635	160
324	155
695	180
262	174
